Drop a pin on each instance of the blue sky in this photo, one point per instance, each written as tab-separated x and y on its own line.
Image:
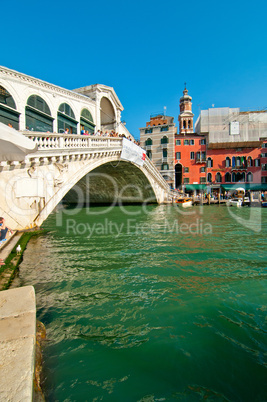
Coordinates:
145	50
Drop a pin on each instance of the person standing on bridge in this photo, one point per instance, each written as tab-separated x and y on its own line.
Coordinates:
4	230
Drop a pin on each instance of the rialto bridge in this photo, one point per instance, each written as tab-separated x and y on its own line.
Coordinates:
80	169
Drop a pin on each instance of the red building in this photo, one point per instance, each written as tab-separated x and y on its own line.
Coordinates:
235	148
233	165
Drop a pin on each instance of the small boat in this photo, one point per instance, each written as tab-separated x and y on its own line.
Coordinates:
184	202
246	202
234	202
264	204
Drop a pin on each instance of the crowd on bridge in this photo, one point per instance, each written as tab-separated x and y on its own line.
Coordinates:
107	133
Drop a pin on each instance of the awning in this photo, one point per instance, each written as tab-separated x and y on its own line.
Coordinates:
245	186
192	187
13	145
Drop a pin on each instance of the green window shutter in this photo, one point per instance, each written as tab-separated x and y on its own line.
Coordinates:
8	116
6	98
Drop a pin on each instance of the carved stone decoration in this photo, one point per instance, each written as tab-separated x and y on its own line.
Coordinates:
31	171
62	167
58	182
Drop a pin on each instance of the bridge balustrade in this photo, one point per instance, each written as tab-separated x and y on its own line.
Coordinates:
51	141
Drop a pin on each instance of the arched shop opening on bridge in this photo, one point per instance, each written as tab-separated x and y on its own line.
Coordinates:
108	116
38	115
8	112
66	119
86	121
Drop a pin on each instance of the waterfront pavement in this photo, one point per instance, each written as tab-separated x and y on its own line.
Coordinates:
17	343
17	335
7	247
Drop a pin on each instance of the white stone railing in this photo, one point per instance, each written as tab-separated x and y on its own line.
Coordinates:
48	141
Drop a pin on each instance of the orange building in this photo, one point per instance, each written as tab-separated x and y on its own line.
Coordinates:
190	148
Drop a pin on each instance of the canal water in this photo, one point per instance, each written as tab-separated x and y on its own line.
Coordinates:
152	304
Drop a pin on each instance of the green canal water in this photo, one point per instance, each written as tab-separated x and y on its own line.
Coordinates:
153	304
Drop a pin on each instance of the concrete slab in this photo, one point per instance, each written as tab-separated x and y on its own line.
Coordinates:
16	370
17	343
14	302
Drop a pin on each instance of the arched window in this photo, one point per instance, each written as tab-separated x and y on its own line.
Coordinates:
218	177
209	177
184	124
237	177
86	121
209	163
38	115
227	162
66	119
8	113
149	142
238	161
250	162
164	140
227	177
233	161
165	166
234	179
249	177
189	123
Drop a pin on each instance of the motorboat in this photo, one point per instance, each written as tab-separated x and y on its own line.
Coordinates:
234	202
184	202
246	202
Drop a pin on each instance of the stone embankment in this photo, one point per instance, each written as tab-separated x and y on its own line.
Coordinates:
20	335
17	343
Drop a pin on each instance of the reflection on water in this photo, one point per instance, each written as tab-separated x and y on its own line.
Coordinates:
152	314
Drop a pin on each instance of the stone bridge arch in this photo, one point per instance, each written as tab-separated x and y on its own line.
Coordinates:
107	180
33	191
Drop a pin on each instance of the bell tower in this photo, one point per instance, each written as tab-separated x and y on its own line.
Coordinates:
186	116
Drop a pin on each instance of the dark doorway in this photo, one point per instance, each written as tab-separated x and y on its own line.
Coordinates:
178	175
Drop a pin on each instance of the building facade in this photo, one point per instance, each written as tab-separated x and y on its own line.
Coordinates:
157	138
227	147
235	147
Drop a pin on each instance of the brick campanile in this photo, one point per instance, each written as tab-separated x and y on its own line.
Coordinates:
186	116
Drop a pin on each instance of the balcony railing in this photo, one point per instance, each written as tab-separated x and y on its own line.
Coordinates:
239	167
201	160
